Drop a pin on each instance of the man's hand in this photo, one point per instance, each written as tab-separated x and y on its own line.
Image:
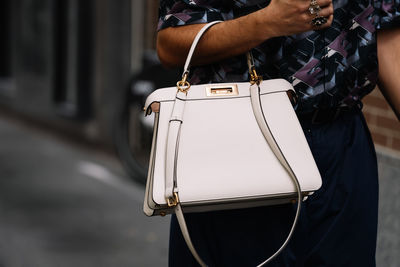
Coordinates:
389	67
288	17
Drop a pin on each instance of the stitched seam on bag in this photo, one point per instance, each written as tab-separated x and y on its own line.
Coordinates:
175	177
154	160
227	98
223	201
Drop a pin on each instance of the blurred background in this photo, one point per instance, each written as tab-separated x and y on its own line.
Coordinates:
74	144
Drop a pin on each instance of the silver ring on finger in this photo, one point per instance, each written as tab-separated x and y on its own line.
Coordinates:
319	21
314	8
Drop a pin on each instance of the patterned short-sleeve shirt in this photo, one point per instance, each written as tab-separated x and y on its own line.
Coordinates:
326	67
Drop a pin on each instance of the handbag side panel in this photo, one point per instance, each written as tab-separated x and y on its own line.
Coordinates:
148	203
288	133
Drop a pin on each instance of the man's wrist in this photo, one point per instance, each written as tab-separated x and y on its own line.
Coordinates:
263	25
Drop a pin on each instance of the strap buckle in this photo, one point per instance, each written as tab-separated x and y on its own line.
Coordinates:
183	85
254	77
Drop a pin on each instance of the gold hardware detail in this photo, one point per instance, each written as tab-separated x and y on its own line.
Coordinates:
173	201
163	213
222	90
155	107
183	85
292	97
254	77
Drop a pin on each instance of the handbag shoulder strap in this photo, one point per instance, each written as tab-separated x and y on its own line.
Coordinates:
172	192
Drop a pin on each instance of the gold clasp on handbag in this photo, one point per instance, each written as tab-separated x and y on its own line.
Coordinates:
173	201
222	90
254	77
183	85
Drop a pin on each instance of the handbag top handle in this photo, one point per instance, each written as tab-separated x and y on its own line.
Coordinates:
183	85
194	45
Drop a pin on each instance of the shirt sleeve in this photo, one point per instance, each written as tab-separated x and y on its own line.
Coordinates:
388	13
183	12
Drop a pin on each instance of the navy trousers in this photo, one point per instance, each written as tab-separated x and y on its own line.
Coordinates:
338	223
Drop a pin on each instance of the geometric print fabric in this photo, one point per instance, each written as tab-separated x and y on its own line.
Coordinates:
327	68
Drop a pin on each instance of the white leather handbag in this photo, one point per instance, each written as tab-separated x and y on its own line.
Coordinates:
226	146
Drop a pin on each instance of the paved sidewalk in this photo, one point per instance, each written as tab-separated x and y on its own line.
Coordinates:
65	205
388	248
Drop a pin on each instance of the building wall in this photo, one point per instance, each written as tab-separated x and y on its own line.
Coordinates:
67	64
384	126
